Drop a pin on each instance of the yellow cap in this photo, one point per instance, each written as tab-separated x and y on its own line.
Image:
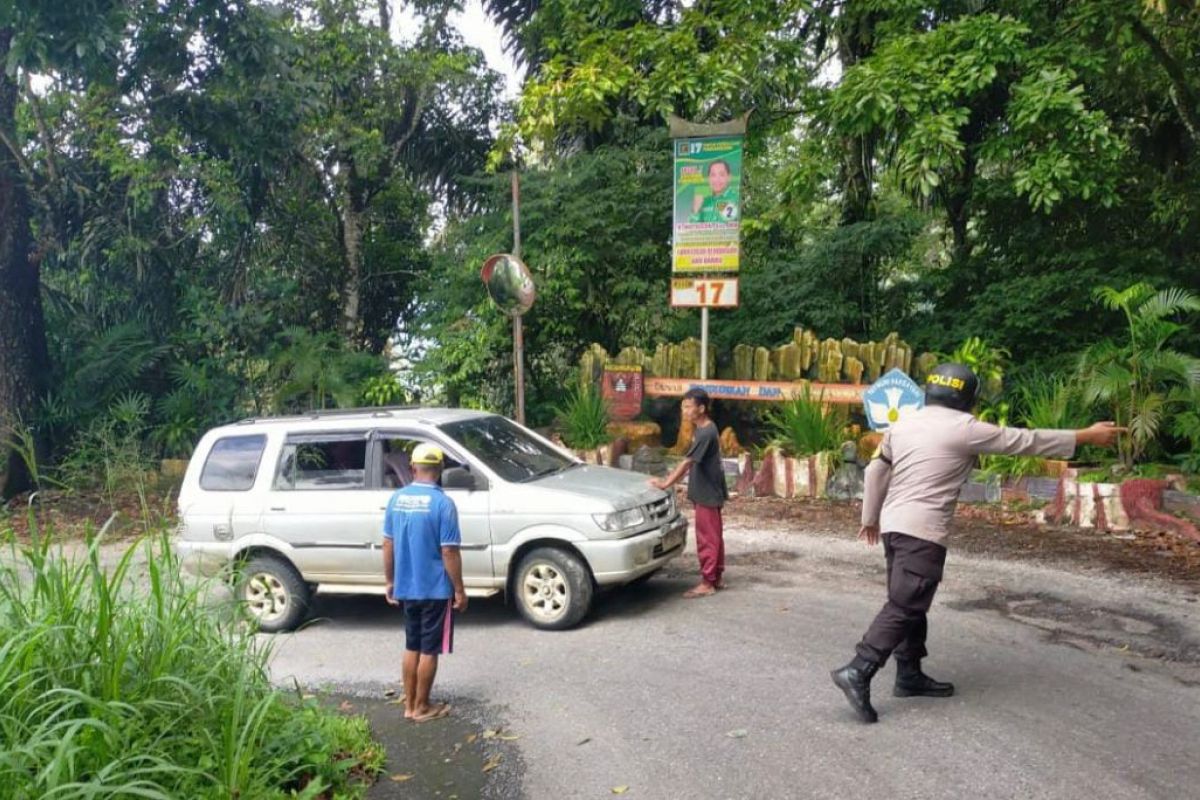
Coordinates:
427	454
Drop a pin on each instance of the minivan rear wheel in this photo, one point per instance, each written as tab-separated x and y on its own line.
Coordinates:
272	593
553	588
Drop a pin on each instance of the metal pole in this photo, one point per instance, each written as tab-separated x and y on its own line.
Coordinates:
704	343
518	330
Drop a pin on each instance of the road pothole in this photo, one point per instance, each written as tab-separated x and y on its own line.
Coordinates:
1092	626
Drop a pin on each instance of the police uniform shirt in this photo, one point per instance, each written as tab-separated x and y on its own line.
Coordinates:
912	484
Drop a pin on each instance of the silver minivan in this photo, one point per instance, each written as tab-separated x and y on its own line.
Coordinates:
292	506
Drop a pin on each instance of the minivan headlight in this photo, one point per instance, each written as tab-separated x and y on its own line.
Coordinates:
620	520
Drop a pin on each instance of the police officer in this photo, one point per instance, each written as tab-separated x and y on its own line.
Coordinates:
911	490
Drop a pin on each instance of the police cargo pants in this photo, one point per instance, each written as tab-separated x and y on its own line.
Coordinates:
914	569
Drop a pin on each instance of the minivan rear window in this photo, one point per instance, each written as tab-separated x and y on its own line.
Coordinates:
232	464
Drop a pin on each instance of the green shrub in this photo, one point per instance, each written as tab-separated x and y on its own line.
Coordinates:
1007	466
1138	376
115	683
584	418
1049	401
805	425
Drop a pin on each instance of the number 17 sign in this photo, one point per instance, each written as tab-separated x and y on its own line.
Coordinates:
704	292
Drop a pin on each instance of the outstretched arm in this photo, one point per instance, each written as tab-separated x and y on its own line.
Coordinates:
675	476
985	438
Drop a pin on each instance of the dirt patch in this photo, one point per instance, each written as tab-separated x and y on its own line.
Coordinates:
999	533
75	515
763	559
466	755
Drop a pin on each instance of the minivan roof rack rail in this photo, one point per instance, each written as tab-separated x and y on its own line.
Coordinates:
374	411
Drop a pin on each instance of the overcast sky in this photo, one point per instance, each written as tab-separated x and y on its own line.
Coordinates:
478	31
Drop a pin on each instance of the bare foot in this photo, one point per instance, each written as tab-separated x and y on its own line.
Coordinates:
701	589
432	712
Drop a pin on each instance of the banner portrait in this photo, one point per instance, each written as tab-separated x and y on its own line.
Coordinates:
708	204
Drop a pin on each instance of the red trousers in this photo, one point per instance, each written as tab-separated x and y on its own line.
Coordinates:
710	543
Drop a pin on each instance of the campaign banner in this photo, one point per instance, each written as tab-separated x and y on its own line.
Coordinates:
833	393
708	204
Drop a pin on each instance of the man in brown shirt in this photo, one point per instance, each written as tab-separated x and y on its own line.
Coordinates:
911	490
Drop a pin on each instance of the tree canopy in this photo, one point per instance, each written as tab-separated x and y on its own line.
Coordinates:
213	208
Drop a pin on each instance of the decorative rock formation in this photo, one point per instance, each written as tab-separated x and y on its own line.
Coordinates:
1142	499
637	433
650	461
730	446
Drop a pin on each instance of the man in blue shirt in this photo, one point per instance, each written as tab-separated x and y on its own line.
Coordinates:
423	565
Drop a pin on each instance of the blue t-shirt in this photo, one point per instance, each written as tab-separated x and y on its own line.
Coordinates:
420	520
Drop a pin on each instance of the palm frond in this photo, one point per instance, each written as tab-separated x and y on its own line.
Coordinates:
112	363
1145	421
1122	299
1172	367
1168	302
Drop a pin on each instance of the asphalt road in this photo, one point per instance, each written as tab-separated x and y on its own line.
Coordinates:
1069	686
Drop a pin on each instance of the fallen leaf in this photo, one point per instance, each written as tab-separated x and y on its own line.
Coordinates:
508	737
472	737
390	693
399	702
307	696
737	733
492	763
619	789
346	705
401	777
490	733
584	740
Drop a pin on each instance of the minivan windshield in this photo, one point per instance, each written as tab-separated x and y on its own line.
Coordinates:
507	450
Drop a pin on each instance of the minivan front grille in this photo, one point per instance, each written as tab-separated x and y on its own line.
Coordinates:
659	511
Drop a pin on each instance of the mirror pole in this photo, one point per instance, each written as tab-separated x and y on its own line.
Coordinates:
518	331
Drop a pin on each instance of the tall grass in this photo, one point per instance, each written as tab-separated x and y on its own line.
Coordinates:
117	681
805	425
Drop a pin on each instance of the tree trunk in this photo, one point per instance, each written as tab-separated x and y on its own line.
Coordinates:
855	31
352	215
23	351
385	16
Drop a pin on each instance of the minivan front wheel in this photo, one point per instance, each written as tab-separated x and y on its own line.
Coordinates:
553	588
272	593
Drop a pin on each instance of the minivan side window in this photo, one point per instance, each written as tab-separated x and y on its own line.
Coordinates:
323	463
232	464
396	451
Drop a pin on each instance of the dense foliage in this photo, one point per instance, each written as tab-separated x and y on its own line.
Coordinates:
214	209
123	685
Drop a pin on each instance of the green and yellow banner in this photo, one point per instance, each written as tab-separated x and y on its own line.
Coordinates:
708	204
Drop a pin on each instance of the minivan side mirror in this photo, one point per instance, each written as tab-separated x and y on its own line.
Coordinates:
461	478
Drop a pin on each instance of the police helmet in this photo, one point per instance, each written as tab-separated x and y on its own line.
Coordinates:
952	385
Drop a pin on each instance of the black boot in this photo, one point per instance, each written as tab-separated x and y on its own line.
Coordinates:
912	682
854	680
